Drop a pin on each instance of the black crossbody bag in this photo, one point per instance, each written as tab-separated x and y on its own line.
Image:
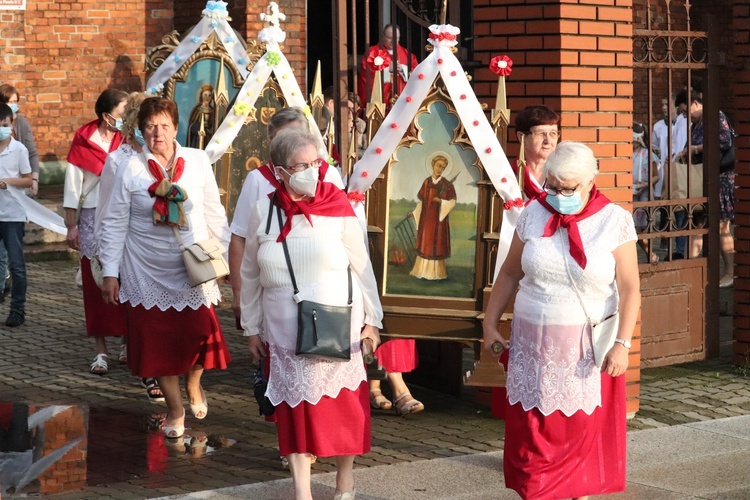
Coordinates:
323	331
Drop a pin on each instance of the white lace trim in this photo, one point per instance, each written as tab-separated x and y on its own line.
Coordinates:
546	370
294	379
86	239
147	293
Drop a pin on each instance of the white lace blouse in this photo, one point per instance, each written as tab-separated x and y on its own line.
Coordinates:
320	254
551	364
147	256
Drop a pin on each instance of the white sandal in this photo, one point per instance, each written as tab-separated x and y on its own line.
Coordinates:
99	366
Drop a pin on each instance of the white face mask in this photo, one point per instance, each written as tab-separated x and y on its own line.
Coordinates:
305	182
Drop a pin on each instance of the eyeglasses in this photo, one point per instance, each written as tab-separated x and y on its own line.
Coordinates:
551	135
299	167
553	191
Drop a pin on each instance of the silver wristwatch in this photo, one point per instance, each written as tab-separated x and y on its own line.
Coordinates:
625	343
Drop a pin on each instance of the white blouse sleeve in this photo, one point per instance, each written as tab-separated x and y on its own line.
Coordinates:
359	260
216	216
115	220
73	186
251	295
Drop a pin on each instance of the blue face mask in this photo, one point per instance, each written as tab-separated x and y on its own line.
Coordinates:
13	107
5	133
118	123
565	205
139	137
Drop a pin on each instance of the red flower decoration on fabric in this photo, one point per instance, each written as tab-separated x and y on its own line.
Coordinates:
442	36
488	150
408	98
501	65
440	61
356	196
476	123
517	202
365	173
504	179
378	150
377	61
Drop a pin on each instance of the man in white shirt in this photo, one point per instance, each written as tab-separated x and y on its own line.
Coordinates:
659	139
679	143
15	176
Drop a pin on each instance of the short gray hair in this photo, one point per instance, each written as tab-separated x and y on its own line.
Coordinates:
571	161
288	142
284	117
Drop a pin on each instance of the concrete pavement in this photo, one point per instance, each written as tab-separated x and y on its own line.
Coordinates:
692	461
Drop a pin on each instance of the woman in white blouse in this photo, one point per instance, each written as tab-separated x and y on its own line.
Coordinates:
565	423
322	407
172	327
88	152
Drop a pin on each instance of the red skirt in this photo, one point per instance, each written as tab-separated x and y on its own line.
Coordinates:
398	356
334	427
163	343
102	319
567	457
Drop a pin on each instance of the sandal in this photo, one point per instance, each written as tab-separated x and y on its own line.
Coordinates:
174	431
99	366
378	401
405	404
199	410
123	357
153	391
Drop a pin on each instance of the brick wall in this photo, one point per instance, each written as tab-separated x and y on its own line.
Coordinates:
741	63
62	54
575	58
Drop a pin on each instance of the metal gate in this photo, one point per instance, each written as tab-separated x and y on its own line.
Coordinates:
680	295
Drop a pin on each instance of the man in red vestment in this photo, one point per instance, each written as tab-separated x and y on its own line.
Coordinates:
406	62
437	197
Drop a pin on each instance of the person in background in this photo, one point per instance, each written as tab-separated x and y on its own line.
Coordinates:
405	63
22	133
679	144
565	428
726	180
132	145
659	141
538	129
321	405
88	152
645	173
172	327
15	175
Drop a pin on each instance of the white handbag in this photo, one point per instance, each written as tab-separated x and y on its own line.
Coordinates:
603	333
204	260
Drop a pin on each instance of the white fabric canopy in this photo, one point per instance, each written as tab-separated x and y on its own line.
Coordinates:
214	18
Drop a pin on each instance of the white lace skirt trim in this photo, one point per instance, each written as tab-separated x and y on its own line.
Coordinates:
294	379
147	293
549	368
86	240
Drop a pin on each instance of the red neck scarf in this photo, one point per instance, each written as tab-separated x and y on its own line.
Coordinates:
530	188
88	155
168	195
596	202
329	200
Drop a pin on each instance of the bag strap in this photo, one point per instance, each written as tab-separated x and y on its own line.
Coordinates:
288	258
82	199
179	238
572	281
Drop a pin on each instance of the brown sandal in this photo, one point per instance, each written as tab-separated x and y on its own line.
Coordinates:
378	401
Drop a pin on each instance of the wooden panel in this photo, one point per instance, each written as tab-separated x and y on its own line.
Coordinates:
672	315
